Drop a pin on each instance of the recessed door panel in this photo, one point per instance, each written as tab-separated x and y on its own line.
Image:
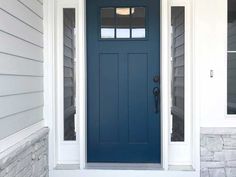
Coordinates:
109	98
138	100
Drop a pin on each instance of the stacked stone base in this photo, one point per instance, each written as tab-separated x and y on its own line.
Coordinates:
28	158
218	152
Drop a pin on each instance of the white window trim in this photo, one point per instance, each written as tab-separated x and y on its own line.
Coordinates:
50	115
180	152
61	152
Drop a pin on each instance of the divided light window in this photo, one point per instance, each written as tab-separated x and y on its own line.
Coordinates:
231	68
123	23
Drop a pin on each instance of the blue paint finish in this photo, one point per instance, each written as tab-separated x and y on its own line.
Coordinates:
109	98
138	98
122	124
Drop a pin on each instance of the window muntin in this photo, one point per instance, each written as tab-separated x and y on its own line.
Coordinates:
231	61
123	23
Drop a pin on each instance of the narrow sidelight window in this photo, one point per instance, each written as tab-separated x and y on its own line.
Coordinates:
231	69
69	73
177	75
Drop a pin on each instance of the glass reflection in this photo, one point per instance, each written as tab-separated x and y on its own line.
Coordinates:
122	22
107	33
231	68
178	75
231	77
138	22
69	74
107	23
138	33
231	25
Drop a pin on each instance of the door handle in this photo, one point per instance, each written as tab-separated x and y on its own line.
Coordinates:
156	94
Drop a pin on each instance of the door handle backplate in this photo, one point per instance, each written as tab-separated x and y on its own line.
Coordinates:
156	94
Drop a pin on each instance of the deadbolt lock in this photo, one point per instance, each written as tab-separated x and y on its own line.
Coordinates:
156	79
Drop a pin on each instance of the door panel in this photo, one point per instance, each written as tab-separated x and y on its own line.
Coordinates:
109	98
123	125
138	98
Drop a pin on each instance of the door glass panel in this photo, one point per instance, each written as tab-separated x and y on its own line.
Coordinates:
69	74
231	69
107	23
122	22
138	22
177	75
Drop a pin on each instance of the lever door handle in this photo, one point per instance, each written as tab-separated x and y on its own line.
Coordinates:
156	94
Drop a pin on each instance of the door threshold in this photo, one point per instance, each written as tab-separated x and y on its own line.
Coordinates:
124	166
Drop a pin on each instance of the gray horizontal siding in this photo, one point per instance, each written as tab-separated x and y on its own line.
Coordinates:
33	6
16	122
22	13
21	65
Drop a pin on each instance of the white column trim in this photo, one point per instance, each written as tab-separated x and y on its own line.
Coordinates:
165	103
82	80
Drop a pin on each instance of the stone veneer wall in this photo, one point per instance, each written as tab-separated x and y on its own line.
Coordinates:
28	158
218	152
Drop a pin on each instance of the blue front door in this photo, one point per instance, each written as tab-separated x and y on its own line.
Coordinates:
123	70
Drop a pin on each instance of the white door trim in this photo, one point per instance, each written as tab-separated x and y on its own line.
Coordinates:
165	103
83	84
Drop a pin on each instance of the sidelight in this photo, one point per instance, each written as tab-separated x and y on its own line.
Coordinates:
231	68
